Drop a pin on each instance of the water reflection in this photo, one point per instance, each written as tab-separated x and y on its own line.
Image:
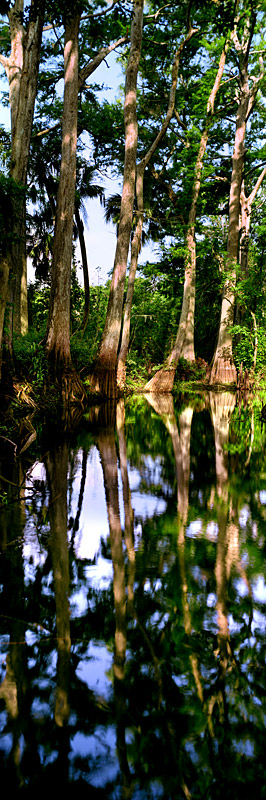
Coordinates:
132	603
56	469
107	449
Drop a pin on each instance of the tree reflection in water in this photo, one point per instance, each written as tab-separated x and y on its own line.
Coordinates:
14	687
107	449
176	708
57	469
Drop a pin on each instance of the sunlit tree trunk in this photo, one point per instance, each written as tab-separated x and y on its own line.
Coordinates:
163	380
136	242
22	68
5	265
58	327
223	368
103	379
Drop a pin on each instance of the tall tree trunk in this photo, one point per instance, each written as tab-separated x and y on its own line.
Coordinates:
22	72
163	380
58	327
103	379
136	242
4	276
22	67
223	369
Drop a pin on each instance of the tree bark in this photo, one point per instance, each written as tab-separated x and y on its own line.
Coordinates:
103	379
58	327
163	380
22	68
4	275
136	242
22	72
223	368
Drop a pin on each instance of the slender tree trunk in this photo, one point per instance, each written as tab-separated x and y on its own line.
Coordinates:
85	268
135	250
136	242
223	369
4	276
22	67
22	74
163	380
103	379
58	327
244	231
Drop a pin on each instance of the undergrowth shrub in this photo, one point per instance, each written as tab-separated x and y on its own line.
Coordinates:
30	357
191	371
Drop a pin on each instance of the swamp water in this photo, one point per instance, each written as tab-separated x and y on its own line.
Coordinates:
133	606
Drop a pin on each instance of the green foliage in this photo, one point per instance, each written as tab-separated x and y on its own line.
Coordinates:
38	303
83	351
244	347
10	195
30	357
187	371
243	339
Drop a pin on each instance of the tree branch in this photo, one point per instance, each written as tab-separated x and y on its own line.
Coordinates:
144	161
97	60
47	130
100	13
257	186
5	62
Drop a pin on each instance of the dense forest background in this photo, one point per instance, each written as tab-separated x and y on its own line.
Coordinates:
187	141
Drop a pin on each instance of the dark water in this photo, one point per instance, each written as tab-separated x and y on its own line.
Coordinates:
133	606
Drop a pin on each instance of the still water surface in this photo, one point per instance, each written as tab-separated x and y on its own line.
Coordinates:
133	606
